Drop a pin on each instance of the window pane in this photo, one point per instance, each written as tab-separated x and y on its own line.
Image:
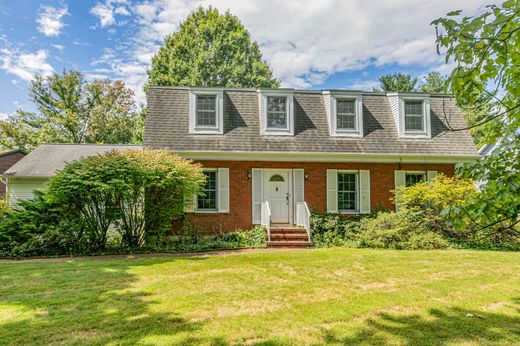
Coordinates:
276	112
413	116
206	110
347	192
346	114
209	200
413	178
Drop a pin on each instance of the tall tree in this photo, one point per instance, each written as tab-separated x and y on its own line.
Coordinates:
397	82
486	51
433	83
210	49
72	110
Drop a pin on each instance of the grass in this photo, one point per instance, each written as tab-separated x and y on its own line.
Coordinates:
329	296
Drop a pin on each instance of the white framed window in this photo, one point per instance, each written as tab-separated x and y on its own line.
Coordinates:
208	200
345	113
414	116
348	192
206	111
276	112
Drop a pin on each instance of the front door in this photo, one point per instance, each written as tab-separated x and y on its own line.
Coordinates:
278	196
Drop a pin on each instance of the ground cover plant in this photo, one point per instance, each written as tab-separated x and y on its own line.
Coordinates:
336	296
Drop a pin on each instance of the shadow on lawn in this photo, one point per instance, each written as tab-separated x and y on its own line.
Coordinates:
82	302
452	325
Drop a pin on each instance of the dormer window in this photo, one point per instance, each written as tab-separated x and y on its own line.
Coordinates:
411	114
276	112
344	112
206	111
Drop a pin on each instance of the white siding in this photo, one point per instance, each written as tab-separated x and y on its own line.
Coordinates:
328	109
394	106
18	188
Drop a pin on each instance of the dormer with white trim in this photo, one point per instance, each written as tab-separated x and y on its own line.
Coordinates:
344	113
206	111
411	113
276	112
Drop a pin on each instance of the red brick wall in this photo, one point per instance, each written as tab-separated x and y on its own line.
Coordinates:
240	199
6	162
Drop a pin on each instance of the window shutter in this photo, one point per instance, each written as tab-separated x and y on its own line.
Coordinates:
400	180
256	182
189	203
223	190
332	191
299	187
364	191
431	175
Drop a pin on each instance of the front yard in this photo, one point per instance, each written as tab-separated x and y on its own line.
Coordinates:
331	296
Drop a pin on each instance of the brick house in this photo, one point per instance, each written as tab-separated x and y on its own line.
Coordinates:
271	155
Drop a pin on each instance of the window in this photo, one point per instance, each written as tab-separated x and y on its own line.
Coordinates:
345	114
276	177
414	178
277	112
206	111
413	116
208	201
347	192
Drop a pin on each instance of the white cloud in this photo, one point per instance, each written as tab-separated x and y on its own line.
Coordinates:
364	85
58	46
3	115
303	41
106	11
50	20
25	65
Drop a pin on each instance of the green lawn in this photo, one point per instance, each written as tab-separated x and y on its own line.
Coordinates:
331	296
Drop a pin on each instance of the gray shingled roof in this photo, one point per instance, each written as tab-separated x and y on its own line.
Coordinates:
168	115
45	160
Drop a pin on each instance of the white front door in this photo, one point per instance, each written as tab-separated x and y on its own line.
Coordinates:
277	191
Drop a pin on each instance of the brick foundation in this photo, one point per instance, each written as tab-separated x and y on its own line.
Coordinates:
240	199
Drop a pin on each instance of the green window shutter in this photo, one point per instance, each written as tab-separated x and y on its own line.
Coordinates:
299	187
256	182
332	191
364	191
223	190
431	175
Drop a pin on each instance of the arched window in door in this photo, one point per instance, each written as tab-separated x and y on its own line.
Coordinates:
276	177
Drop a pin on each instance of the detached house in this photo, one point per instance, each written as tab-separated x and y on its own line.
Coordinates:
274	154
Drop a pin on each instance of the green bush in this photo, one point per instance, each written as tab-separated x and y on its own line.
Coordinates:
332	229
401	230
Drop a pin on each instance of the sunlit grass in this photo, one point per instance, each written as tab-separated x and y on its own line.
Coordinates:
330	296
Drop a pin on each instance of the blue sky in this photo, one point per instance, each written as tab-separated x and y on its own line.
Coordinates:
309	44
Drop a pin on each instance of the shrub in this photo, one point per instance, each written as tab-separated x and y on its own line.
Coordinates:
109	189
401	230
427	200
332	229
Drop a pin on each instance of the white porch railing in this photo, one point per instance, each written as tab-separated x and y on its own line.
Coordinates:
265	218
303	217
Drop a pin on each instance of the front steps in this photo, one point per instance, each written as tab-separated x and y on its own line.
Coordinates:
288	236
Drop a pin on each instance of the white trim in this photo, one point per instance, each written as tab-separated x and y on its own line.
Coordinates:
322	157
219	94
358	192
426	132
357	97
217	192
262	101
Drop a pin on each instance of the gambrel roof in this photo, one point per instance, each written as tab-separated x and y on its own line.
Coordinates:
168	116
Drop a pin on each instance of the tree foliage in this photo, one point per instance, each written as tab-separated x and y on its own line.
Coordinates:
397	82
72	110
434	83
486	52
109	189
210	49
